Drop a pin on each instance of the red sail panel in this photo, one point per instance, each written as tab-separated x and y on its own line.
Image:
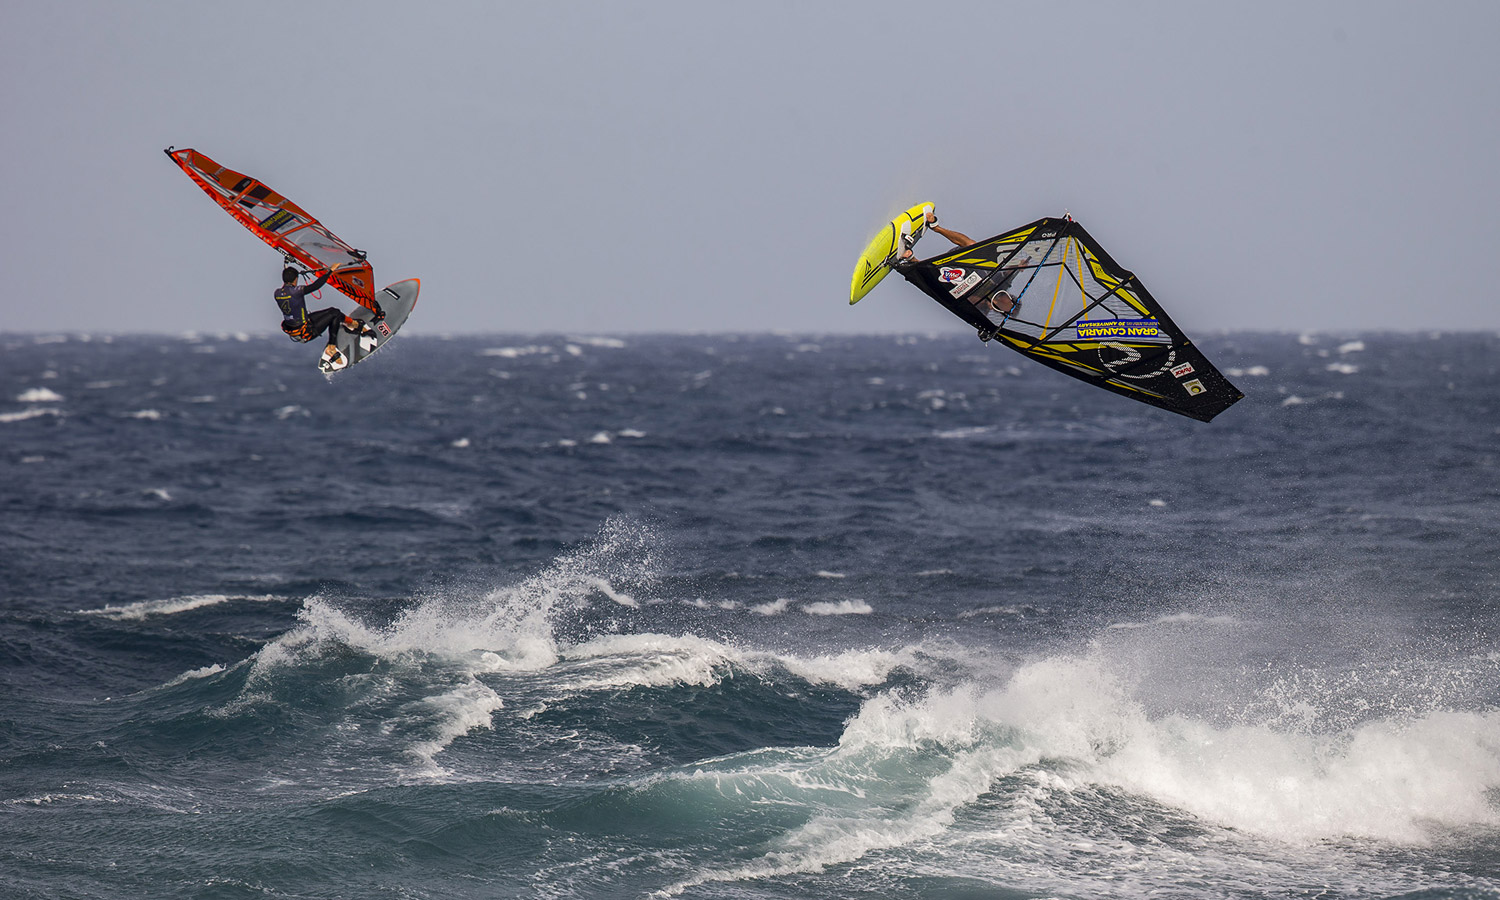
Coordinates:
282	224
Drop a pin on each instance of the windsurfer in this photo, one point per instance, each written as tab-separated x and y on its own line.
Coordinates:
302	326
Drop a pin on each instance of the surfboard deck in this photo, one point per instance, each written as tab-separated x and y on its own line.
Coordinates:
875	262
397	301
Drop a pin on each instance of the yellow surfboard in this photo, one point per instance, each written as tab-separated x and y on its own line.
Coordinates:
875	261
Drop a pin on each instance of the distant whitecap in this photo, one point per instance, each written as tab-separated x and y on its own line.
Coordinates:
839	608
38	395
515	352
773	608
25	414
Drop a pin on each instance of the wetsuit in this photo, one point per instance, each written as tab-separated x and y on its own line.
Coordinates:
297	322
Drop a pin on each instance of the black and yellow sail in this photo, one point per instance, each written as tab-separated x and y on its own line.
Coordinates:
1079	312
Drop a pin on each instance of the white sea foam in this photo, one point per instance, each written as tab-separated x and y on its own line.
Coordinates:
1182	619
453	714
773	607
508	629
1384	779
1343	368
149	415
170	606
49	799
960	433
1252	371
195	674
515	352
39	395
1352	347
23	415
838	608
1295	400
647	660
658	660
850	669
1066	732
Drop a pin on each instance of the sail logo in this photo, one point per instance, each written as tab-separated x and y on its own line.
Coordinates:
1182	371
950	275
1119	328
967	284
276	220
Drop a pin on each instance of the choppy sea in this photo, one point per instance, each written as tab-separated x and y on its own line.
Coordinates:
758	616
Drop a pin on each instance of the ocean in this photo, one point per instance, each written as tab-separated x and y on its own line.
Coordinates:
745	616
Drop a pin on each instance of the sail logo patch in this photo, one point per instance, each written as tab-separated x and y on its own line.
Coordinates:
1182	371
1194	387
963	287
277	220
949	275
1119	328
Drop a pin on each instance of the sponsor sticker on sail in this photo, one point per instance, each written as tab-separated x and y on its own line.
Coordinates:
1119	328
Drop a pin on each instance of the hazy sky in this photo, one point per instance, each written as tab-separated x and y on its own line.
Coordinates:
613	167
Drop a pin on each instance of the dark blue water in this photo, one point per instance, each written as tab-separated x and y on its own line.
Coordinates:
763	616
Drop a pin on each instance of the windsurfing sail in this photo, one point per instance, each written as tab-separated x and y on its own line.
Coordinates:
1079	313
282	224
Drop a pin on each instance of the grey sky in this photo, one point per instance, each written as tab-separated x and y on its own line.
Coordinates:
702	166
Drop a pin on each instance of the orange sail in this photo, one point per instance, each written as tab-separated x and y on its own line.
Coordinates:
282	224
